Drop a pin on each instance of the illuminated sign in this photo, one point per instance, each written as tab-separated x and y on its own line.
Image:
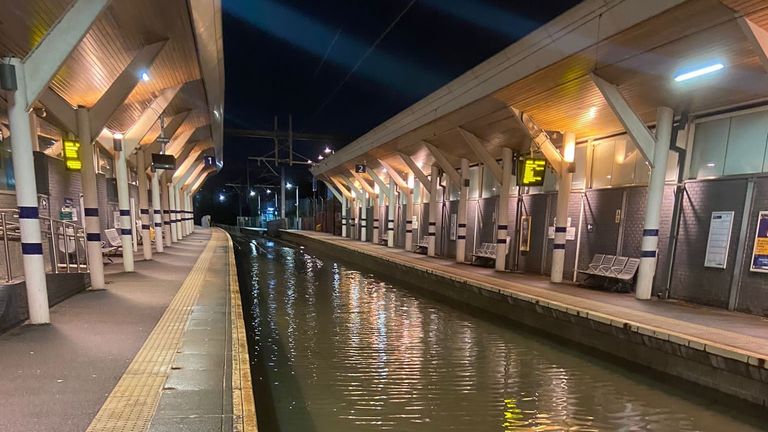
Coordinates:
530	172
72	155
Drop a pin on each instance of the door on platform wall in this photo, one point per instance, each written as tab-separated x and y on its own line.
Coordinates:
535	207
485	221
400	225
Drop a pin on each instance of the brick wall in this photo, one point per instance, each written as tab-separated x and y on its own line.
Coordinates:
690	279
600	211
753	290
536	207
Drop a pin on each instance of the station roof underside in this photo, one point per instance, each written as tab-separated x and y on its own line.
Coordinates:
636	45
192	59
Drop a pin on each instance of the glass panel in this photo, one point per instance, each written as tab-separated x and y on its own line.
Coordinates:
602	164
642	170
709	144
625	156
490	187
453	189
746	144
550	180
580	160
7	179
671	167
474	182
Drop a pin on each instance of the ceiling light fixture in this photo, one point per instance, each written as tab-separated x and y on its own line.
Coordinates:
699	72
144	76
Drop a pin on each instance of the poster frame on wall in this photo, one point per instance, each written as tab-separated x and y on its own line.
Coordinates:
525	234
761	241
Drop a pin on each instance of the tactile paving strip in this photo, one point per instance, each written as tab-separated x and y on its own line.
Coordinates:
133	401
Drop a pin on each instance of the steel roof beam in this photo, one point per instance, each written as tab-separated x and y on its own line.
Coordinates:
333	190
401	183
148	118
423	179
445	164
476	145
42	63
62	113
363	182
758	37
383	188
184	180
642	137
201	180
359	194
199	147
122	86
542	142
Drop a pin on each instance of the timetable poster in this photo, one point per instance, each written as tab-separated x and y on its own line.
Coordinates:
760	252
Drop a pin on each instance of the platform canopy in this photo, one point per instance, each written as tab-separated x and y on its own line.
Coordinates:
191	59
638	46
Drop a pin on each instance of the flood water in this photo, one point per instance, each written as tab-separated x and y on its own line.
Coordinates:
337	349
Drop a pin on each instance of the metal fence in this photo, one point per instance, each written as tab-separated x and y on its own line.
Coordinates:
63	245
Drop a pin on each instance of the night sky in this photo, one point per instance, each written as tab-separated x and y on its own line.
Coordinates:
342	67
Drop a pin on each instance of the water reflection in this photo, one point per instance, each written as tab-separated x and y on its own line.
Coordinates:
341	350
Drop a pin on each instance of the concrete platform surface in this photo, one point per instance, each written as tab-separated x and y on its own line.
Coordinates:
165	331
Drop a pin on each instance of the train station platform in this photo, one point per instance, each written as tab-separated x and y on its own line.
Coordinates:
716	348
162	348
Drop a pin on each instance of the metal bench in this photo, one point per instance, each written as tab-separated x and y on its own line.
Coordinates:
486	251
615	272
113	245
422	245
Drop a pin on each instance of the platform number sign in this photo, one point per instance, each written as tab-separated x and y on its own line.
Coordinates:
360	168
72	155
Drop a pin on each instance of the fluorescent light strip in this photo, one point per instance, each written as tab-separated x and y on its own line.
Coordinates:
699	72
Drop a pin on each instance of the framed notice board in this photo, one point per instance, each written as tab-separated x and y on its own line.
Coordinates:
719	240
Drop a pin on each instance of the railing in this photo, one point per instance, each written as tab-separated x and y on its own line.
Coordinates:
64	240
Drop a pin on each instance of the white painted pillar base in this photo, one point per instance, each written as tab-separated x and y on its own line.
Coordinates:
344	217
166	212
409	222
157	212
141	170
171	213
391	206
461	218
364	221
503	212
649	245
26	199
126	235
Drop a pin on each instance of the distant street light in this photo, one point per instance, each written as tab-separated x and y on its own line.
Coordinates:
253	193
327	150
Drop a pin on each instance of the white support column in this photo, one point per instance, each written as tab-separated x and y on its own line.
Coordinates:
171	212
26	200
344	230
409	215
432	228
391	205
166	212
157	212
123	198
141	171
364	218
561	213
179	212
377	203
503	212
461	219
650	242
90	200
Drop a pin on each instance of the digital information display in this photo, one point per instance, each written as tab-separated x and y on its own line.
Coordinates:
72	155
530	172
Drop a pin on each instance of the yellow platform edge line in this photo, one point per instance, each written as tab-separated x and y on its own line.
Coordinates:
133	402
243	403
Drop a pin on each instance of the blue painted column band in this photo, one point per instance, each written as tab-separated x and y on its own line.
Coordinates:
145	226
501	227
158	224
561	229
144	211
91	212
94	237
558	246
125	231
648	254
32	248
650	233
124	212
29	213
